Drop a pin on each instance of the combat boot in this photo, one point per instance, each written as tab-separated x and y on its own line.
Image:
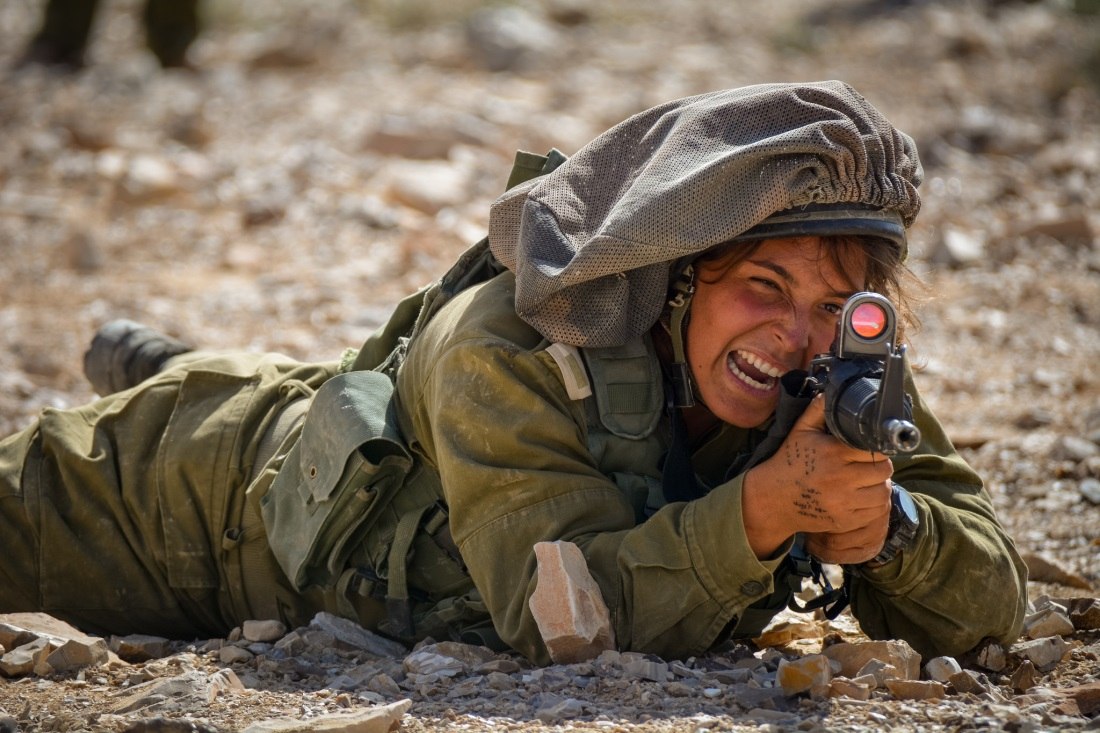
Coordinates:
124	353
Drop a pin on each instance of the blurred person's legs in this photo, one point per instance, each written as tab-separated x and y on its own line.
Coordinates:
171	26
63	35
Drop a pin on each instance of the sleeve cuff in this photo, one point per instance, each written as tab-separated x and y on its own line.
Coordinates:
727	567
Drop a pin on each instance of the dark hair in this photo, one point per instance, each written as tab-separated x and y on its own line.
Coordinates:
886	273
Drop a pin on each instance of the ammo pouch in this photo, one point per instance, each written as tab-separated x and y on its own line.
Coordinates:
351	510
348	460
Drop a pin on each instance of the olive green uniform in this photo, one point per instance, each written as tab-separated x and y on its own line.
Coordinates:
130	513
529	407
485	405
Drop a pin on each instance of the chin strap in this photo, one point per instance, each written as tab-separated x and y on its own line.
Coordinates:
683	288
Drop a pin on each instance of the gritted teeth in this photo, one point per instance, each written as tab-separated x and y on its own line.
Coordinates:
763	366
770	372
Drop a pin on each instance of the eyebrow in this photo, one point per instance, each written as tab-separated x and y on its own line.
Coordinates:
787	277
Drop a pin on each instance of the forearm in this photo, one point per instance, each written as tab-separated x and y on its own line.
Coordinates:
672	583
961	581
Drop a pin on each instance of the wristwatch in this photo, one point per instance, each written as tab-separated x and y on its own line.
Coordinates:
904	521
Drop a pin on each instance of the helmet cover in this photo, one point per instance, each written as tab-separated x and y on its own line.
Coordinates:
592	242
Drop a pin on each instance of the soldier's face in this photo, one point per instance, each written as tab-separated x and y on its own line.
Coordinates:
763	316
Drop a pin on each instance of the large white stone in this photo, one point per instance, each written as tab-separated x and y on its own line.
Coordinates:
568	605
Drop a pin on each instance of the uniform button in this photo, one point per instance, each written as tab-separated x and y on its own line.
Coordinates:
752	588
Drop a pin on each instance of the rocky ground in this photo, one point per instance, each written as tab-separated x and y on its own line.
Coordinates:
324	158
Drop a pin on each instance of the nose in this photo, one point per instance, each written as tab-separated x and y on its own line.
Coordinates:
792	329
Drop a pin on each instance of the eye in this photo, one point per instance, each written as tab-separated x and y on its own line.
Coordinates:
768	283
833	308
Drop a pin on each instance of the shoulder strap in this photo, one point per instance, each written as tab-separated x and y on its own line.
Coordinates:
531	165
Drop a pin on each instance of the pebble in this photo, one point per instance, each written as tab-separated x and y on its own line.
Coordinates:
1043	653
844	687
1025	677
263	630
139	647
968	681
941	669
1090	490
991	656
915	689
234	655
810	673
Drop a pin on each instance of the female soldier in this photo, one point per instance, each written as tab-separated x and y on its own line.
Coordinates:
601	371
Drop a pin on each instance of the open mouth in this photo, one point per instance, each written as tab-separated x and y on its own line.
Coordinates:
753	371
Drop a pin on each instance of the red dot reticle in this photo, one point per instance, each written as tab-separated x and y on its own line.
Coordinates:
868	320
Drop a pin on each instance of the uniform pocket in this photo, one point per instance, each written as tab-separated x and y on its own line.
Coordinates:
198	464
348	460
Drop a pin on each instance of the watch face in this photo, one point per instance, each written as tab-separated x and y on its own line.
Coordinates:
906	504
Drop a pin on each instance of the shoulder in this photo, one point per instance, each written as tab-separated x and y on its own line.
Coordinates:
476	341
485	311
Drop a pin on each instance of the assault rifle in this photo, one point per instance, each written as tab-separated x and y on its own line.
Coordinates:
867	408
862	376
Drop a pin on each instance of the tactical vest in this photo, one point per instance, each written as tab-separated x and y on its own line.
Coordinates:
352	509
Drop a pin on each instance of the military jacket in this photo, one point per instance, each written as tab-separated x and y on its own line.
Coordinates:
485	406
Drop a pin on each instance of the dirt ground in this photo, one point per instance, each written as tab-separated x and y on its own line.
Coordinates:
324	158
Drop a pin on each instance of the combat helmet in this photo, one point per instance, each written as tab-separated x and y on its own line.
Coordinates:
596	243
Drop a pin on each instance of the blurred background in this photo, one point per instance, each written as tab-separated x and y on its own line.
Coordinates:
282	180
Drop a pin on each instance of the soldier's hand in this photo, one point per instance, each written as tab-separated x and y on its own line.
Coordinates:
815	484
848	548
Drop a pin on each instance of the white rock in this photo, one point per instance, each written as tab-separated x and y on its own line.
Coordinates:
263	630
427	186
149	176
568	605
353	635
1047	622
429	662
940	669
234	654
1090	489
1043	653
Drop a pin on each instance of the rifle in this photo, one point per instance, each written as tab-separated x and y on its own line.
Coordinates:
862	377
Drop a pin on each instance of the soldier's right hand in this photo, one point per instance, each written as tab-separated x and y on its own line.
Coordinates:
815	484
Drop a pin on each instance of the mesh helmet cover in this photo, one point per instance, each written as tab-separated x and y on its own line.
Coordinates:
592	242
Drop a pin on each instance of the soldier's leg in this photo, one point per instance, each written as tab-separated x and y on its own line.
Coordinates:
19	566
170	28
121	515
63	36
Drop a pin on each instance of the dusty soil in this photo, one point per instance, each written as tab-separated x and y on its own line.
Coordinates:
325	158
